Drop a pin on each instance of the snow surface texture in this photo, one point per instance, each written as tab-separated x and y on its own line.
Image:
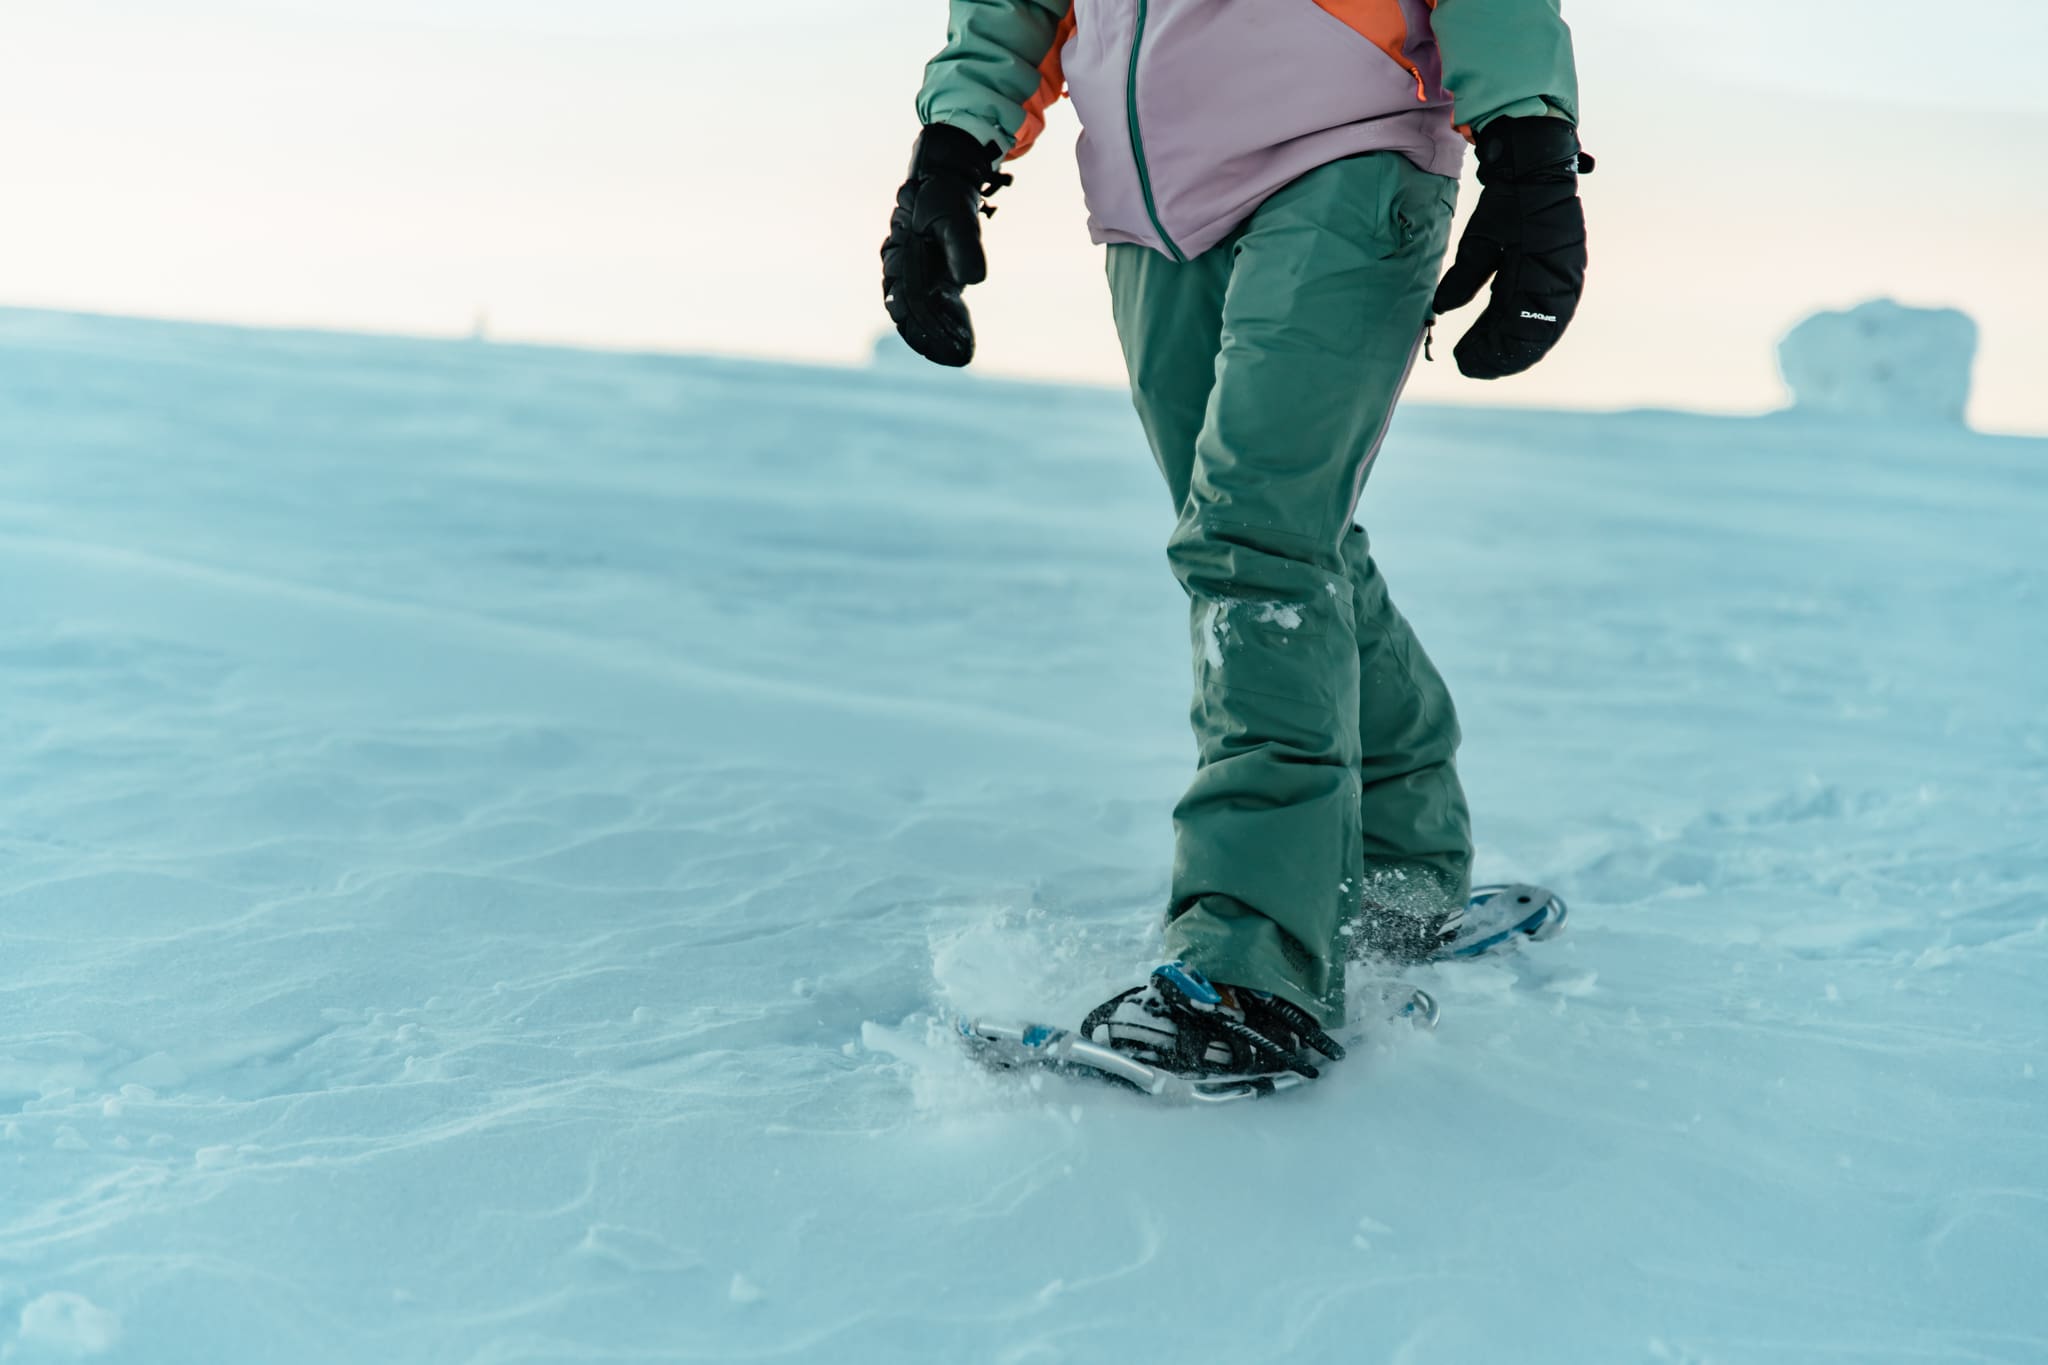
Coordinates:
1882	360
486	834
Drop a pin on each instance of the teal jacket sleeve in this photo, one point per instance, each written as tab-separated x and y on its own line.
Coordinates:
988	73
1506	58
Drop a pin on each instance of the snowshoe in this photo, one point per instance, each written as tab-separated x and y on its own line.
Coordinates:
1179	1038
1497	917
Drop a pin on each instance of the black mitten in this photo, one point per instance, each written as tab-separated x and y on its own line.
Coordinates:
1529	235
934	245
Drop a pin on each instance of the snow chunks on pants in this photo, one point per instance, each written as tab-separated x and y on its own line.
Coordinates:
1265	371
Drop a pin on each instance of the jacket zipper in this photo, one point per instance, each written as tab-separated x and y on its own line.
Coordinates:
1138	142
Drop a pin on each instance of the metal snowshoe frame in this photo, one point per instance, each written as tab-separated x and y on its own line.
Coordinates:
1497	915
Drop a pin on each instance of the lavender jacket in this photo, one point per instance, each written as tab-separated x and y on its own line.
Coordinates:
1193	111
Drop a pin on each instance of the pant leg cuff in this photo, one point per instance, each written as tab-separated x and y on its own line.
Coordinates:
1239	947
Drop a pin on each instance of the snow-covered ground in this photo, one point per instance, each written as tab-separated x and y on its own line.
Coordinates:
485	834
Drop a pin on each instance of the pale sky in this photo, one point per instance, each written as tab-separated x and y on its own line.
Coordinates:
699	175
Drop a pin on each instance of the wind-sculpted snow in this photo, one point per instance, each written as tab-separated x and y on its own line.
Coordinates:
487	835
1881	361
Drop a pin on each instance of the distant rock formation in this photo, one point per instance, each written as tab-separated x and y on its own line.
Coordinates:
1882	360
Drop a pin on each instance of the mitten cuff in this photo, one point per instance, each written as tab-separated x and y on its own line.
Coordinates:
1513	150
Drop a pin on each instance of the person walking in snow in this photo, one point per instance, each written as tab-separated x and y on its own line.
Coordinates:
1274	181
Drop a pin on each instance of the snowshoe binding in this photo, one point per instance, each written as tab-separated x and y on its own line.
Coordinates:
1177	1037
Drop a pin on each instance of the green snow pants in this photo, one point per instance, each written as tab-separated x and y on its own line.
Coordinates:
1265	372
